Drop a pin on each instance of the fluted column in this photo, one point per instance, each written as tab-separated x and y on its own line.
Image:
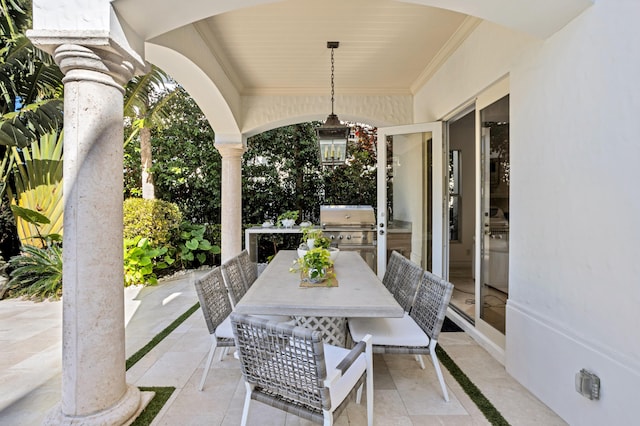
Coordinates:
231	195
94	388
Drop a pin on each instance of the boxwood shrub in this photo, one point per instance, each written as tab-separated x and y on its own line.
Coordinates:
157	220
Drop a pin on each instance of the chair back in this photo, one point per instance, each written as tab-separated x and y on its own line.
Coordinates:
391	274
282	361
214	299
249	268
430	306
234	279
407	280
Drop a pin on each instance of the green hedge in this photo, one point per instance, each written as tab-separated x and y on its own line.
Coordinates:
157	220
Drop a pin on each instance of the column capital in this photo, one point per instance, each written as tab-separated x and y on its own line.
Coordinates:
228	150
92	63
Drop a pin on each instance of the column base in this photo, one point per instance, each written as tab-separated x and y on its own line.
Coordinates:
123	412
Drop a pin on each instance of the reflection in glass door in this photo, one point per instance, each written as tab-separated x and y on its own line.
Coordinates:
494	250
461	138
410	201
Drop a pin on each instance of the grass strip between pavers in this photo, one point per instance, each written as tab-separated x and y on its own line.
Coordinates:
154	406
481	401
164	333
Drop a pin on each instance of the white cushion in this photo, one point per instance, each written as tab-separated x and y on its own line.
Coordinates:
341	388
224	329
389	331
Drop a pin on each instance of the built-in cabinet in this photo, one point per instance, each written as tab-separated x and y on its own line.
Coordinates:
399	239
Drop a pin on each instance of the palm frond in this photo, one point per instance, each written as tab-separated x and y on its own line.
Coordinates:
141	91
20	128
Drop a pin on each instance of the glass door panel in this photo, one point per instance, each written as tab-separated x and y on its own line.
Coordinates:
461	141
494	250
410	200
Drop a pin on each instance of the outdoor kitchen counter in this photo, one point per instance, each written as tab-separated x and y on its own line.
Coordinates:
251	237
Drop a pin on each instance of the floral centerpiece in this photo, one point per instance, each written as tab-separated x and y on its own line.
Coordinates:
315	265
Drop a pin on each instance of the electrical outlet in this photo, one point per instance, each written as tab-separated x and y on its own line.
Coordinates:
588	384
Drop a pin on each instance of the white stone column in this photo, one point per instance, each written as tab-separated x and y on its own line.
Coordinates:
94	389
231	199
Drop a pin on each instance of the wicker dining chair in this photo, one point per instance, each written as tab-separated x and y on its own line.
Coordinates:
236	283
216	307
415	333
290	368
401	278
391	273
234	279
249	269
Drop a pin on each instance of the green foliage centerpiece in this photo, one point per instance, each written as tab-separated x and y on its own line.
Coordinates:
315	266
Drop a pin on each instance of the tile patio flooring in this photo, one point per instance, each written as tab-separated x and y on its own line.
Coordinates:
30	365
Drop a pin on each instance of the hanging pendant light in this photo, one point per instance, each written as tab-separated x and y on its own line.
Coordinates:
332	135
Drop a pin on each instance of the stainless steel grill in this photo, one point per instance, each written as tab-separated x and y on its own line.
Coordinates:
351	228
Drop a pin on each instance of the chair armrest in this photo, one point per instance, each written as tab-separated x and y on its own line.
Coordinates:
363	346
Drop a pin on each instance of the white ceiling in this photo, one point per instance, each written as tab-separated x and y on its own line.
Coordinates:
385	46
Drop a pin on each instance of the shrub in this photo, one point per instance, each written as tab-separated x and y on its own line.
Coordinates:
194	249
157	220
142	260
36	273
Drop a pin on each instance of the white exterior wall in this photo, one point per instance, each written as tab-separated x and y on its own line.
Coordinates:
574	273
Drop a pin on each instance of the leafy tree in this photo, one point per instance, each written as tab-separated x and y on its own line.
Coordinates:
145	104
281	171
186	165
355	183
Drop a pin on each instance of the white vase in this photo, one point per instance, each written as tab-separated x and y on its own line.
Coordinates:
316	276
288	223
311	243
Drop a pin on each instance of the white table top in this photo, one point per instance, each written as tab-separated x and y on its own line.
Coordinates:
360	293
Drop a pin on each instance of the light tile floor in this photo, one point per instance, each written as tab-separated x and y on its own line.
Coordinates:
30	365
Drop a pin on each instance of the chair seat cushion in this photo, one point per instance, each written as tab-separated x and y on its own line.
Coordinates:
224	330
341	388
389	331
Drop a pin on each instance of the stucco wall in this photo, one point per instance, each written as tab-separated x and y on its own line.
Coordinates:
574	273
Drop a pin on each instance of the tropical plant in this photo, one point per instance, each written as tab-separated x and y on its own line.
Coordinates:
142	260
36	173
145	103
36	219
30	81
36	273
194	249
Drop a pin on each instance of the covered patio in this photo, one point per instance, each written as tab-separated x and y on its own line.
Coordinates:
570	70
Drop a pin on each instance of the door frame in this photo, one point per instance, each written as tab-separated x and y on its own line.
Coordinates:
438	211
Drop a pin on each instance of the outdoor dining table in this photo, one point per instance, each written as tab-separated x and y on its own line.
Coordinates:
358	293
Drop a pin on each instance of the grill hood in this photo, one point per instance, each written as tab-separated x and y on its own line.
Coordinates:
347	216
